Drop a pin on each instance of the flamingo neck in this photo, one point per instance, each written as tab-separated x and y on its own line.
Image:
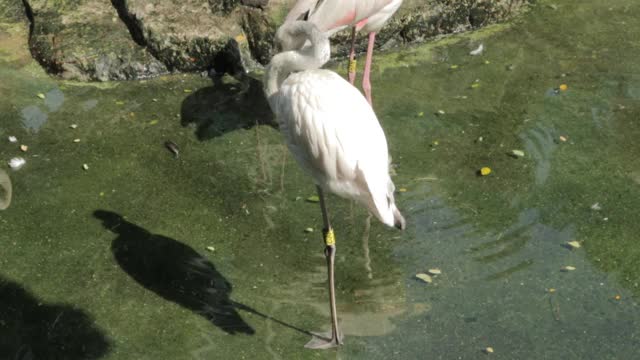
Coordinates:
296	57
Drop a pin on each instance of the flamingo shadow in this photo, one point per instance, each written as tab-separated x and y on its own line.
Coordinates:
179	274
32	329
174	271
226	106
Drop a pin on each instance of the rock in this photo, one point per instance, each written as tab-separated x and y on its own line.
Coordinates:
260	31
261	4
11	12
419	20
192	35
14	34
132	39
85	40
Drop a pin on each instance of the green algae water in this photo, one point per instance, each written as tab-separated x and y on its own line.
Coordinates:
114	248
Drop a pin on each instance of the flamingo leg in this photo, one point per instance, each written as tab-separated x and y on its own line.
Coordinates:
366	84
321	341
352	57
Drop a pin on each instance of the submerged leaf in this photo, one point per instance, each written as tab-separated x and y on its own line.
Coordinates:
574	244
424	277
517	153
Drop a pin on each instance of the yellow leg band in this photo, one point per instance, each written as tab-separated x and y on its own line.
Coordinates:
352	65
330	238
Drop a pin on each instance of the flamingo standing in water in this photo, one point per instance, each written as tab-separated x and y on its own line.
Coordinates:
331	16
333	134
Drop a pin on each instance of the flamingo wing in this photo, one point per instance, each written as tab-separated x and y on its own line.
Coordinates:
334	15
301	7
335	136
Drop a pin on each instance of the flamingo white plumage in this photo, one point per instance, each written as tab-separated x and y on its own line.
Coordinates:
331	16
333	134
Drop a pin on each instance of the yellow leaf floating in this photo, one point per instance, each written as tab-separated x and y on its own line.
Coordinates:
402	190
485	171
453	67
308	230
475	85
568	268
119	102
421	113
517	153
574	244
187	90
41	95
424	277
313	199
153	122
564	87
435	271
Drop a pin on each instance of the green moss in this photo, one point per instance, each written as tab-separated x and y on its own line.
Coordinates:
498	239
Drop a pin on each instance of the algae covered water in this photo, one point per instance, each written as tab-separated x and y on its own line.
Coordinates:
114	248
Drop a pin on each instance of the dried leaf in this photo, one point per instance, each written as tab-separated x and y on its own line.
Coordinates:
485	171
424	277
517	153
574	244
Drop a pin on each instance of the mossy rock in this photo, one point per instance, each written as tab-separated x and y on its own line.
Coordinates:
132	39
85	40
12	11
189	36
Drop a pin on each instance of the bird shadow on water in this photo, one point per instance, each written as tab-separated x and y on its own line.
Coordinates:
178	273
31	329
230	104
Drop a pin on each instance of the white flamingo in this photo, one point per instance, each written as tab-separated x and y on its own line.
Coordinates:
333	134
331	16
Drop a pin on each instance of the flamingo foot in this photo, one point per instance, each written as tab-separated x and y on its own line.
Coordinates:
322	341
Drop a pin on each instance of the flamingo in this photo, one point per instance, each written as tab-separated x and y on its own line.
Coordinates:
333	134
334	15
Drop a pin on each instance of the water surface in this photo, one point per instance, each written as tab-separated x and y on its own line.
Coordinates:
145	256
